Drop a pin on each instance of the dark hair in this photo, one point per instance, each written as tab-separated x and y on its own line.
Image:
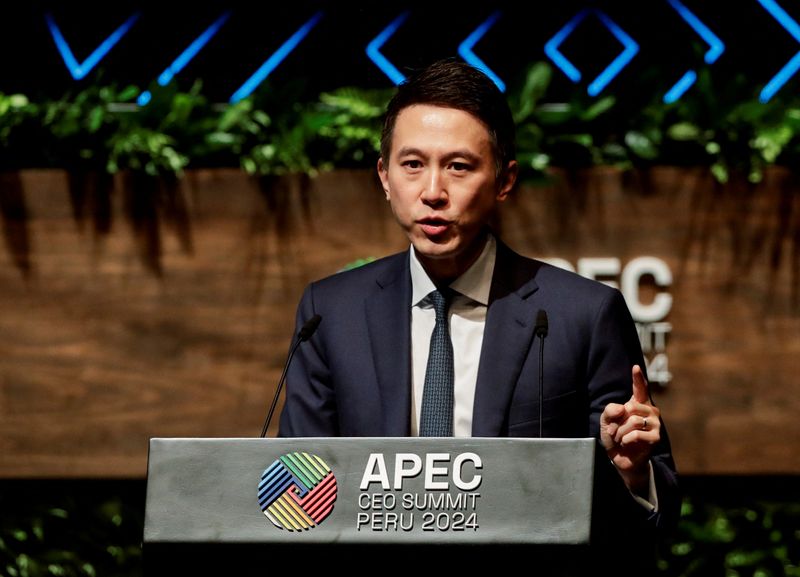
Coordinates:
453	84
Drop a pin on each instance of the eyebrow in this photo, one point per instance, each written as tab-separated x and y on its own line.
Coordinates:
461	153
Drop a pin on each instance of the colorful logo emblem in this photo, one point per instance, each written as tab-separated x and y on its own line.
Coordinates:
297	491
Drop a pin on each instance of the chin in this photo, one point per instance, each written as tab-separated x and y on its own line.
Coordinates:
436	247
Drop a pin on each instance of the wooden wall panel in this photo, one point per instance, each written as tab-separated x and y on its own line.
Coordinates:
734	349
142	312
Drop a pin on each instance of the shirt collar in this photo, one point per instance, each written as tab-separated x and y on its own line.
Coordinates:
475	283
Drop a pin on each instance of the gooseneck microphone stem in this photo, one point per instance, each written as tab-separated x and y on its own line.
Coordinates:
541	330
303	335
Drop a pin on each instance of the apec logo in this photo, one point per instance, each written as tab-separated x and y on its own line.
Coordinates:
649	313
297	491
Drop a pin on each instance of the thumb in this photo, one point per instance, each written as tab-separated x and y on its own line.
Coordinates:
613	412
640	394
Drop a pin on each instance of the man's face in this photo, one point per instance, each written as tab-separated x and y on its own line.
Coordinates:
440	180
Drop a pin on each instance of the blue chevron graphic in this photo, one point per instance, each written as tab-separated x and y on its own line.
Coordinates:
630	48
275	59
375	45
791	67
465	49
629	45
186	56
715	49
79	70
685	83
552	51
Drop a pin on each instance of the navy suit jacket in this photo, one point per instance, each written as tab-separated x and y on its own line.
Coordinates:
353	377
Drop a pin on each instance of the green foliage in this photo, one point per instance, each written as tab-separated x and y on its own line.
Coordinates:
147	138
341	129
724	127
564	134
531	118
236	129
74	529
78	127
19	129
351	125
14	110
735	537
275	131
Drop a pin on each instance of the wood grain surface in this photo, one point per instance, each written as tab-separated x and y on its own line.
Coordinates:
133	309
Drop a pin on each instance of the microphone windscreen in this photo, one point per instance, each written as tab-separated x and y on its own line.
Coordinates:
541	323
309	328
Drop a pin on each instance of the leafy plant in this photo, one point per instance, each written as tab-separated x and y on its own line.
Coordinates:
82	529
351	125
564	134
232	132
147	137
18	131
284	150
275	132
724	127
78	127
524	102
720	125
745	537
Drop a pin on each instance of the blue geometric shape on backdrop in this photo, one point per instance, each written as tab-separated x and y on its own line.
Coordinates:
791	67
79	70
275	59
186	56
715	49
465	49
375	45
629	49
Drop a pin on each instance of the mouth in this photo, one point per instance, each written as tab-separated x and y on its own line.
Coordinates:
433	226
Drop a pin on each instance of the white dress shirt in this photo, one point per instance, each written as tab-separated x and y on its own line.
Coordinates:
467	315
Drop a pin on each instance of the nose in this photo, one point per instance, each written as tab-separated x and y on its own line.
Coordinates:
435	190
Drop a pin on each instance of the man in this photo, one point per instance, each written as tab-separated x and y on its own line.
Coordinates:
447	161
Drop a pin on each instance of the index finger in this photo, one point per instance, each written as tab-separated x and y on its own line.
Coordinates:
640	393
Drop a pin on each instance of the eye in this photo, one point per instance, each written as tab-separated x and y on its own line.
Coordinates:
460	166
412	164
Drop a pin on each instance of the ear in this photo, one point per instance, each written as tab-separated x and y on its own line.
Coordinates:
383	174
508	180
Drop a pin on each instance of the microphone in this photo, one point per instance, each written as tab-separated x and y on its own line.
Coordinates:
540	330
305	333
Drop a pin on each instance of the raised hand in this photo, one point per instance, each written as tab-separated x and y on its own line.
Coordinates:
628	433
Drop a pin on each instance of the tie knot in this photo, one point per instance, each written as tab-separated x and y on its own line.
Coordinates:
440	300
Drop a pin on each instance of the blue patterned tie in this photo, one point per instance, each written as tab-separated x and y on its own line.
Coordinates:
436	418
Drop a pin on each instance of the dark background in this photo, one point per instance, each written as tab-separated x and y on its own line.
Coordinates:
333	54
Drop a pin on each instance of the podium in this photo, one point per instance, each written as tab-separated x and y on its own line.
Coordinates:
237	506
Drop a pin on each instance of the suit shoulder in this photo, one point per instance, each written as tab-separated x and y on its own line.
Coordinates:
579	298
556	276
550	278
381	271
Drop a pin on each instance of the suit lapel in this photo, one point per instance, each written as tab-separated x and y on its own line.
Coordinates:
507	337
388	312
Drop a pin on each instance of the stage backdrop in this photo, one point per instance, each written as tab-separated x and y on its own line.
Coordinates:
134	308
